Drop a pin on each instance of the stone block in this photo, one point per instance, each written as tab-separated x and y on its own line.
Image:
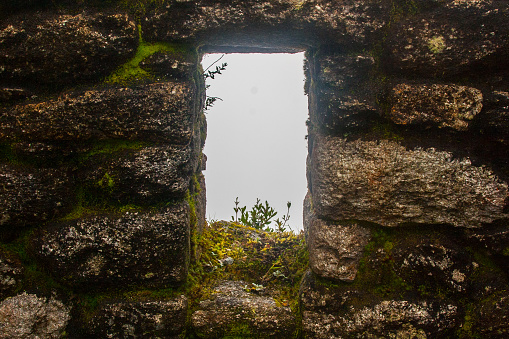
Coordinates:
163	112
132	248
139	319
332	312
343	92
234	311
145	176
336	249
30	197
459	36
269	26
437	105
30	316
54	50
386	183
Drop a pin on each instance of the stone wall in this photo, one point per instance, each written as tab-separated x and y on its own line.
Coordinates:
102	196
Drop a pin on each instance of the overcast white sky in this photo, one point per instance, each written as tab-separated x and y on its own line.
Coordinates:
256	145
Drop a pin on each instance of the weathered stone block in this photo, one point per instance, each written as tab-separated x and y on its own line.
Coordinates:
30	316
145	176
159	112
460	36
343	91
142	319
274	26
234	311
335	249
434	105
29	197
56	50
131	248
330	312
385	183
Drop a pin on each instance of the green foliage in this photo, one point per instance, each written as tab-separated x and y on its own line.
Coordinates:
209	102
272	261
260	216
436	44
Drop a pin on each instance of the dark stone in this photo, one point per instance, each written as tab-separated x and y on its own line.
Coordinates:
494	120
495	238
11	95
170	65
386	183
491	317
434	263
30	316
29	197
44	49
139	319
149	249
234	311
460	36
450	106
159	111
11	273
145	176
335	312
343	91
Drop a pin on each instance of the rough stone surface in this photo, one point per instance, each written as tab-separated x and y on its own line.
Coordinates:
386	183
11	273
55	50
147	176
329	313
432	104
143	319
460	36
342	93
29	316
159	111
281	25
29	197
132	248
233	311
335	249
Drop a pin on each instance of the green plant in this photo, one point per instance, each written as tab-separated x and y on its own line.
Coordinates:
260	216
209	102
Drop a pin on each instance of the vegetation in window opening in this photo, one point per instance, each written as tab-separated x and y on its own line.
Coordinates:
211	74
261	215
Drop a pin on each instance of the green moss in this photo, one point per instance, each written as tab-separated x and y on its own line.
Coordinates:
131	72
505	251
7	153
239	330
106	181
436	44
275	260
386	131
111	147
